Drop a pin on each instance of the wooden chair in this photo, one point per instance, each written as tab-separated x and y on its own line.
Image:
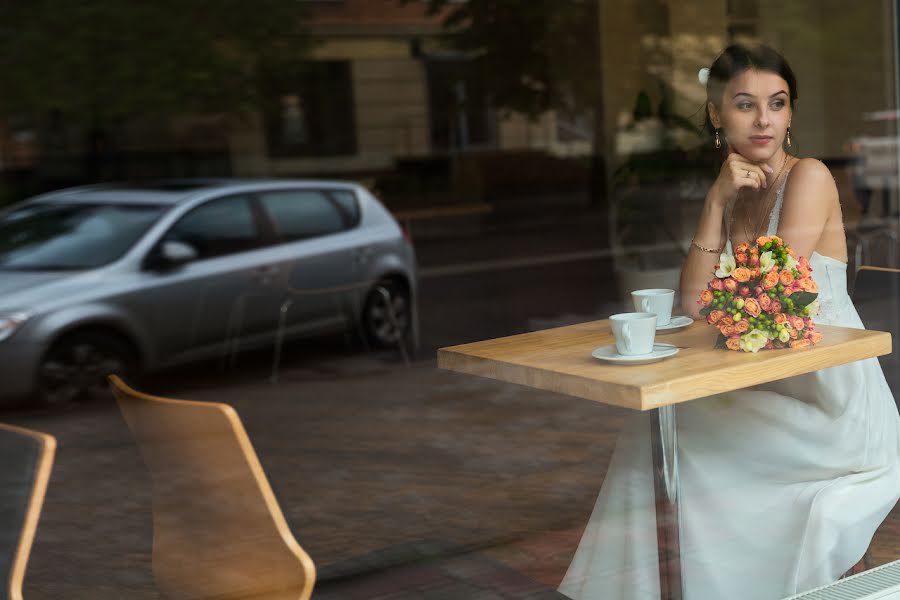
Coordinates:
218	531
27	459
876	295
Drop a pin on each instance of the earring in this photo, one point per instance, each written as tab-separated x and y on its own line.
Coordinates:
719	142
788	140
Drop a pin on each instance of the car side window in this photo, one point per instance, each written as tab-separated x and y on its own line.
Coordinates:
348	205
302	214
219	227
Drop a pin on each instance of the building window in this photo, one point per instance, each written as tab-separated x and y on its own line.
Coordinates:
308	110
459	113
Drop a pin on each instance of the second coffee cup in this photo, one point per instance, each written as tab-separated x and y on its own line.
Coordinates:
657	301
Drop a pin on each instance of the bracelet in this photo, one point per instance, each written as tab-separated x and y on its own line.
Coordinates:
710	250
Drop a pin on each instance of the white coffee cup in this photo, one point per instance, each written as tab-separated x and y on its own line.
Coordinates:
634	332
657	301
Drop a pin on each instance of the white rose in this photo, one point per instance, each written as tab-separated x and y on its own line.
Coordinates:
766	262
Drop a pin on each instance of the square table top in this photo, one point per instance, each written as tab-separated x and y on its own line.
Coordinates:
559	360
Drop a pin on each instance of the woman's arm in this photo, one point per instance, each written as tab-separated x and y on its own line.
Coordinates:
699	265
736	173
809	197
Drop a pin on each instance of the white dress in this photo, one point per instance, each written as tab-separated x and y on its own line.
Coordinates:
782	485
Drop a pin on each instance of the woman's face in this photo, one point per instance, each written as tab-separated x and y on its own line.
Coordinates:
754	114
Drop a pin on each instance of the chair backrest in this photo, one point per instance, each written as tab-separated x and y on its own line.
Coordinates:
218	531
876	295
27	458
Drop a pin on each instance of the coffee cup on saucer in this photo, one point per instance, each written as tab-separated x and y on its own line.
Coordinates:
655	300
634	332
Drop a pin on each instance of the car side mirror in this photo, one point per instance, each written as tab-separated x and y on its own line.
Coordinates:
171	254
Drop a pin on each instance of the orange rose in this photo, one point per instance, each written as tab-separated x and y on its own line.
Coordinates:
754	273
741	258
786	277
728	330
788	291
797	322
733	343
726	320
706	296
804	272
751	307
754	260
762	241
742	326
800	343
777	240
814	337
807	284
714	316
770	280
793	333
780	318
764	302
731	285
717	284
775	308
791	252
742	248
741	274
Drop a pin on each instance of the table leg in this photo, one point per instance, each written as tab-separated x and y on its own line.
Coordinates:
664	440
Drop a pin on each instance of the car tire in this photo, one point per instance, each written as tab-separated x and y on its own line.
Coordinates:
76	367
379	328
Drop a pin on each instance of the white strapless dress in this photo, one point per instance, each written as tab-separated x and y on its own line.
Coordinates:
782	485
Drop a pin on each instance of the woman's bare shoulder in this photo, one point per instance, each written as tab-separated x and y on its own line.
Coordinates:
811	169
812	179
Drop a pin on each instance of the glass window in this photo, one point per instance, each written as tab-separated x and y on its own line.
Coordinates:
301	214
308	110
348	205
71	237
219	227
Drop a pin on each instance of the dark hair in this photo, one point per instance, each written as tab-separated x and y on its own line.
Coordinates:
736	59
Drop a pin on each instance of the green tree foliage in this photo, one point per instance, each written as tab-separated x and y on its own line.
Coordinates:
95	60
537	54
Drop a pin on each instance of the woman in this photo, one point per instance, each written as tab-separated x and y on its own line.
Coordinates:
782	485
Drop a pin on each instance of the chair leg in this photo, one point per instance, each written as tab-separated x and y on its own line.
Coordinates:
279	338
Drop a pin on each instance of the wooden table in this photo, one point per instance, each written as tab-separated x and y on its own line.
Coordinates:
559	360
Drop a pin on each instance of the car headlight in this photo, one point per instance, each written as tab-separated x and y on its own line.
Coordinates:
10	323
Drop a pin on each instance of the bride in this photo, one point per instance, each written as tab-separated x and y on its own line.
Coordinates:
782	485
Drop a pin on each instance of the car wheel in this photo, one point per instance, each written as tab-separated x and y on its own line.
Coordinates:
76	367
381	329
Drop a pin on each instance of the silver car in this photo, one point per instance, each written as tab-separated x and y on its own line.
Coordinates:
127	279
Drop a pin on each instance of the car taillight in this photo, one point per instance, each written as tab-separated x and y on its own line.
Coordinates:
406	234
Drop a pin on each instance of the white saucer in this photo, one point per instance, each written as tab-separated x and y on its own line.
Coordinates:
675	323
610	354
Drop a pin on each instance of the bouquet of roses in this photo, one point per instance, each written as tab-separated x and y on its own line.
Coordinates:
762	297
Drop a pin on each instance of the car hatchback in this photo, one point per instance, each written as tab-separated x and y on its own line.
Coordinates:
129	279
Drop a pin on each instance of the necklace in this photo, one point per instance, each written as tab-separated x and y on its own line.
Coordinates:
764	204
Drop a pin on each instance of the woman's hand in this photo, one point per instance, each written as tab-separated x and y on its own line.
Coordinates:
737	173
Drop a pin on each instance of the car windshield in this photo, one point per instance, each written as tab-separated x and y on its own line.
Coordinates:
47	236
